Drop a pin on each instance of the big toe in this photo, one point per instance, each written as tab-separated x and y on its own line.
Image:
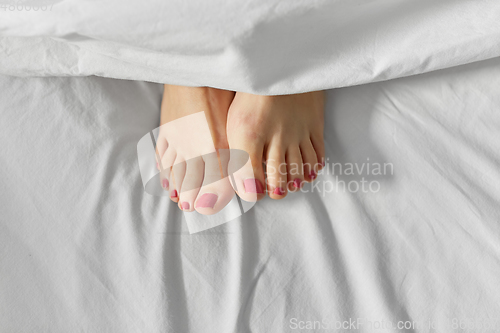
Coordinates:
216	191
246	171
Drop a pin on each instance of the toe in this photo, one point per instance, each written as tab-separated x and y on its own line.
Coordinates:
161	147
176	178
165	179
246	171
276	172
174	194
309	160
216	191
295	168
165	168
319	147
167	159
191	183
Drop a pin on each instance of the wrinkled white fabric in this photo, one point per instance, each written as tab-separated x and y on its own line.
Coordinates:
265	47
84	249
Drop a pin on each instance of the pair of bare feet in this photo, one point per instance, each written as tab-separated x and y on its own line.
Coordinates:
282	135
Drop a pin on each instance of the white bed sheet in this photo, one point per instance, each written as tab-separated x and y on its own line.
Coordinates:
84	249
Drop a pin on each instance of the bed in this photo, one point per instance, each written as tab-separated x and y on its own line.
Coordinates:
83	248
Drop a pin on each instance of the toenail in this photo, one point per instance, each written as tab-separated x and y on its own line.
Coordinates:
297	182
173	194
165	183
278	191
185	205
312	175
207	200
253	186
323	163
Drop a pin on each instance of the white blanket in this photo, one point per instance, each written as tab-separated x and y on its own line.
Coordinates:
266	46
84	249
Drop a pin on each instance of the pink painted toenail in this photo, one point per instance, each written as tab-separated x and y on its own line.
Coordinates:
312	175
297	182
185	205
173	194
165	184
278	191
253	186
207	200
323	163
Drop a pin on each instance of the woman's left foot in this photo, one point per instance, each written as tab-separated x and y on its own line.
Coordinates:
285	132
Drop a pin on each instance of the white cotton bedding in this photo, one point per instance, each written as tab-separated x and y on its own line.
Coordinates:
84	249
265	47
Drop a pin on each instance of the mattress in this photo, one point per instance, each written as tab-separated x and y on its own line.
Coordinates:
399	233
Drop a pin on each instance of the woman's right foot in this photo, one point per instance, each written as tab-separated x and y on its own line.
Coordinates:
187	146
285	132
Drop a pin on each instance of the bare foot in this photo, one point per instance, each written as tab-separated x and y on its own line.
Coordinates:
285	132
187	147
